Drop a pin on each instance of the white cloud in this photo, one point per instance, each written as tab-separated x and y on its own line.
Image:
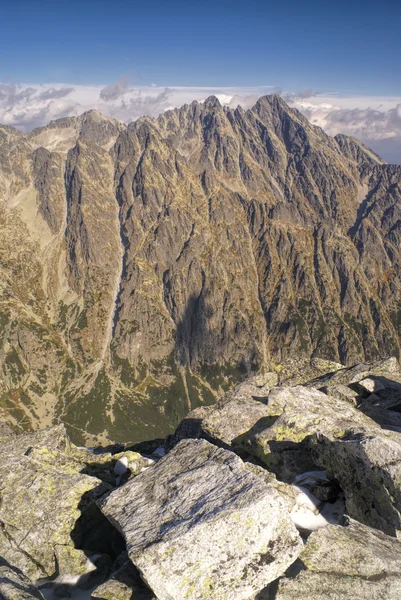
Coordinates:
114	90
375	120
372	118
52	93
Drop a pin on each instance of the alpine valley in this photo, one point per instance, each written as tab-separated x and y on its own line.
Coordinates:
147	268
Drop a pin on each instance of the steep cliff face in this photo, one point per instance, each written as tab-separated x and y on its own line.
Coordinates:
144	268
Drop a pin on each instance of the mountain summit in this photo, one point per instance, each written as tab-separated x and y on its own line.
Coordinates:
145	268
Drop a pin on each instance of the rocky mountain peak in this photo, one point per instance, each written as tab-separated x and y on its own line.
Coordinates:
162	261
212	103
357	151
62	134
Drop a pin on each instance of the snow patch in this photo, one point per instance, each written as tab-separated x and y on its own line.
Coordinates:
67	586
160	452
121	466
309	513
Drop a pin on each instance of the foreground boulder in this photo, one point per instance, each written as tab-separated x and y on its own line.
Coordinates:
281	441
300	429
48	491
367	465
41	500
233	415
312	428
343	563
201	525
14	585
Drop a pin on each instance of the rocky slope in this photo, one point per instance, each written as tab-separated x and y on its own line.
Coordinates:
299	499
144	269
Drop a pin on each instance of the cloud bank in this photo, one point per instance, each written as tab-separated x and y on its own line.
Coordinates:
373	119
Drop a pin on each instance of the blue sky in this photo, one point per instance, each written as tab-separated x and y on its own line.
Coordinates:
294	44
338	62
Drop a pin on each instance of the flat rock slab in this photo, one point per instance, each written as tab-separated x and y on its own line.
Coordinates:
201	525
342	563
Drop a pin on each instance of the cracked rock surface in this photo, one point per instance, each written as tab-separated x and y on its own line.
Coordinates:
199	524
346	562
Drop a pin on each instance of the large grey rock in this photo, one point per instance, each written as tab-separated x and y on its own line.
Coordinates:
231	417
14	585
235	414
312	429
43	494
374	387
367	465
357	373
346	562
342	392
200	525
384	408
190	427
295	414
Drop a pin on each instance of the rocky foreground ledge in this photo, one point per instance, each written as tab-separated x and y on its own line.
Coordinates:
273	493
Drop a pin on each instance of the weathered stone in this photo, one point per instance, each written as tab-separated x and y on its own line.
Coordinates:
14	585
342	392
287	490
296	369
346	562
200	525
367	465
43	494
125	583
229	421
190	427
269	379
295	414
231	417
357	373
314	430
254	388
378	407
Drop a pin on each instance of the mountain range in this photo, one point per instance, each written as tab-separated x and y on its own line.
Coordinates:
145	268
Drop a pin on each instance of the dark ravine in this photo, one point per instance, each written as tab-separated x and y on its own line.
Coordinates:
147	268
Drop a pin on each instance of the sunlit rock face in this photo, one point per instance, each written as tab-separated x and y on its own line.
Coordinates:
144	269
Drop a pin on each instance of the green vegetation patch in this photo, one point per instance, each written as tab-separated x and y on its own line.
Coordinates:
13	366
89	411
